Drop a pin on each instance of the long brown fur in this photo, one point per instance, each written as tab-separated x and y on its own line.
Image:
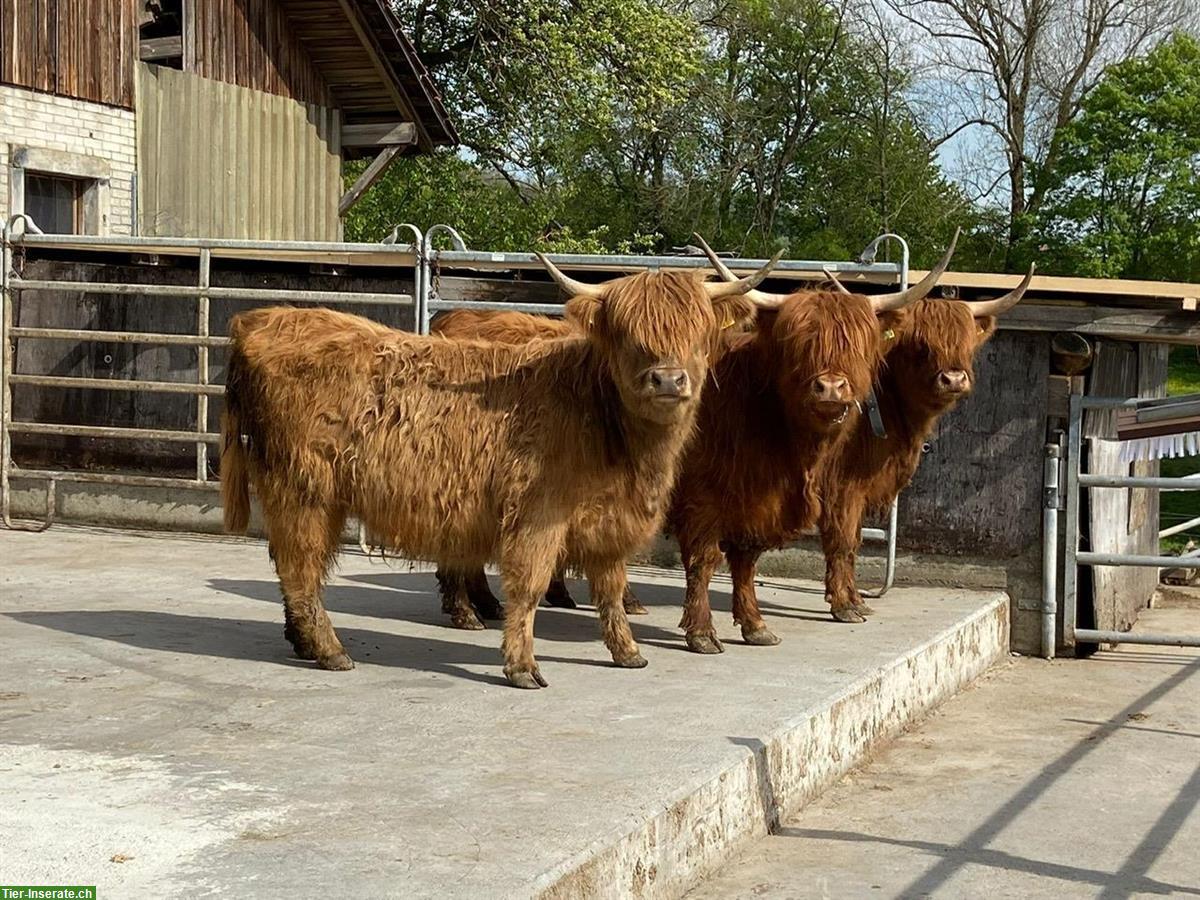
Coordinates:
466	452
750	480
931	337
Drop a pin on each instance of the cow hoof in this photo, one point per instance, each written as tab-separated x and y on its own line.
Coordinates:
847	614
637	661
863	610
467	621
526	679
303	649
761	637
339	662
704	643
633	607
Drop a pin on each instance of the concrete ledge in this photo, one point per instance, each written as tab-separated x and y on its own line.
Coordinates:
689	839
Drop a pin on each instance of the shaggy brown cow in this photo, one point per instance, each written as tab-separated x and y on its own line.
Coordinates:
468	452
928	368
466	596
781	400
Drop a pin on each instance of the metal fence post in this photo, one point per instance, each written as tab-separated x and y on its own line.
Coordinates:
1050	501
1070	564
202	324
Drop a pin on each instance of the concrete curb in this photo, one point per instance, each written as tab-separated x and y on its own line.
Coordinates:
676	846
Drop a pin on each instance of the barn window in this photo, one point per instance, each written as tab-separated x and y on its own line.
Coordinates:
55	203
160	33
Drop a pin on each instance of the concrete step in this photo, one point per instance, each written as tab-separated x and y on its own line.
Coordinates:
152	710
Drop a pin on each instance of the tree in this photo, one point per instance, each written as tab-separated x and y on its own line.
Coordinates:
1020	71
1125	199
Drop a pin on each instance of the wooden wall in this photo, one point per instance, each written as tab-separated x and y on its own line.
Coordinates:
271	171
84	49
250	43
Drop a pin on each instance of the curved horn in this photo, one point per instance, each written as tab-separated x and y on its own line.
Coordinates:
572	287
1002	304
745	285
761	298
837	285
920	290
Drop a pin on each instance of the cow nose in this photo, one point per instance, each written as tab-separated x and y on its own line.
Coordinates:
669	383
953	380
832	389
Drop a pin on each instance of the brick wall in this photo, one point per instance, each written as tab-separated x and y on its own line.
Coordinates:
104	135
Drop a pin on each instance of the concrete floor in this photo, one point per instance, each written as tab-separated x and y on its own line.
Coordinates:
156	734
1072	778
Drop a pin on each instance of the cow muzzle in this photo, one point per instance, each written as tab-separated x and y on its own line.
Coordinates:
953	381
668	384
832	389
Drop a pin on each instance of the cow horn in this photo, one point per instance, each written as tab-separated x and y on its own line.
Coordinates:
980	308
760	298
837	285
920	290
569	285
730	288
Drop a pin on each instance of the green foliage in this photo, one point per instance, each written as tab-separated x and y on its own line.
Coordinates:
1125	200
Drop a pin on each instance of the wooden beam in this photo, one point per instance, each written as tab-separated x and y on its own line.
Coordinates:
1166	326
151	49
391	81
379	134
369	176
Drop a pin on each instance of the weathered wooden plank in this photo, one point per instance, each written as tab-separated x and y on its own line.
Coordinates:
151	49
379	134
368	177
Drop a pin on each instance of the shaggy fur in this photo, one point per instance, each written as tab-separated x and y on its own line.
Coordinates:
466	452
466	596
931	337
749	482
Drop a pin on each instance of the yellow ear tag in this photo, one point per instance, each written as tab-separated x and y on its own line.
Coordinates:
889	335
728	322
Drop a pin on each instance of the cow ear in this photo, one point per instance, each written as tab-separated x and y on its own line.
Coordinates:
733	310
585	313
985	327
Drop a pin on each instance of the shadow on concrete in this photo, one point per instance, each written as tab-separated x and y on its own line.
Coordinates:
973	849
252	640
762	779
413	598
957	855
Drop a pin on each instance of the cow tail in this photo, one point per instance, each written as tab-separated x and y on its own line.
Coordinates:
235	477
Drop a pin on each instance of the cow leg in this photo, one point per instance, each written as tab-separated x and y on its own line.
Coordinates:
840	524
557	594
480	594
745	600
697	624
527	563
303	545
608	583
633	606
452	583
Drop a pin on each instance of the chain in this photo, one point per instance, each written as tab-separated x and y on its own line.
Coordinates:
435	288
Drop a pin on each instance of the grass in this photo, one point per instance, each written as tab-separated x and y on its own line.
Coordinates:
1183	377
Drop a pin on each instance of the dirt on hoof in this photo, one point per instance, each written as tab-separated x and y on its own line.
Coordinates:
526	679
637	661
863	609
847	614
339	662
466	621
704	643
633	606
761	637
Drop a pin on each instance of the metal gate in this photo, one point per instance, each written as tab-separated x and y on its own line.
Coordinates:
1077	481
425	262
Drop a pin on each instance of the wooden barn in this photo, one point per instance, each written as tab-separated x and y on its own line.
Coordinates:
204	118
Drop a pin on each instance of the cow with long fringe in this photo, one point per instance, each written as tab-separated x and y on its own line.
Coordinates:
928	369
469	452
